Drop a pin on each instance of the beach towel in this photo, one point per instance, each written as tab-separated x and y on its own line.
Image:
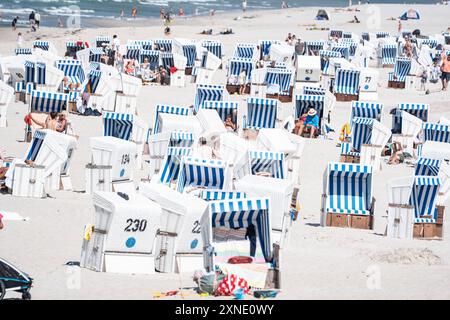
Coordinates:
230	283
255	274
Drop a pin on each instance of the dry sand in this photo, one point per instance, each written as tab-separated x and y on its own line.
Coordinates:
319	263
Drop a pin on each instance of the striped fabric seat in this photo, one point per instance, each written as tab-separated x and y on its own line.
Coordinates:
313	47
133	51
23	51
45	101
30	71
190	52
40	73
152	56
388	54
346	149
402	68
346	35
102	39
314	90
325	55
241	214
96	54
214	195
436	132
215	47
261	113
204	173
180	139
236	65
72	69
182	111
363	109
93	78
38	139
244	50
423	196
351	44
349	188
145	44
267	162
206	92
172	162
43	45
281	77
223	108
163	45
303	102
427	167
343	49
347	81
264	47
361	132
382	34
119	125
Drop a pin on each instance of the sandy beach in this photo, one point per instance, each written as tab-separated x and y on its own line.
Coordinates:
318	263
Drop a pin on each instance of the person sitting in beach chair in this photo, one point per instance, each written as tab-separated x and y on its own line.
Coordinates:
242	81
130	68
310	124
51	122
395	151
229	124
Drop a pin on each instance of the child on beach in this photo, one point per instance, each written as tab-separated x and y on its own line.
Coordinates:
423	79
19	40
14	23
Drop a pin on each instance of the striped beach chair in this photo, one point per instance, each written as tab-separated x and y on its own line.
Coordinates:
436	132
206	92
343	48
280	79
43	45
261	113
245	50
215	47
427	167
41	73
267	162
72	69
163	45
361	132
95	54
181	139
152	56
217	195
347	82
169	109
264	47
402	68
351	44
223	108
30	71
423	198
172	162
419	110
202	173
189	50
388	54
23	51
102	39
145	44
348	189
117	125
365	36
314	90
93	80
334	33
432	43
382	34
347	35
363	109
314	47
303	102
325	56
46	102
236	65
133	51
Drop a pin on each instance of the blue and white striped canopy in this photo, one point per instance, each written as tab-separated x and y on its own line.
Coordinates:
401	69
314	91
343	49
43	45
215	195
72	69
363	109
346	35
152	56
427	167
264	47
347	81
261	113
244	50
432	43
182	111
215	47
280	77
119	125
102	39
303	102
45	101
223	108
95	54
205	173
436	132
336	33
38	139
382	34
361	132
94	77
206	92
171	167
133	51
388	53
40	73
190	52
268	162
324	59
30	71
423	196
181	139
419	110
349	188
145	44
236	65
164	44
314	46
243	213
74	45
23	51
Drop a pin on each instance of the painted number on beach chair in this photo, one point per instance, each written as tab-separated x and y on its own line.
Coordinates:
125	159
308	71
368	79
196	228
136	225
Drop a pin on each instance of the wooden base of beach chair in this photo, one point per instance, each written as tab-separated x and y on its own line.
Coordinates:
346	97
354	221
188	71
427	231
349	159
285	98
232	89
440	214
73	107
396	84
388	65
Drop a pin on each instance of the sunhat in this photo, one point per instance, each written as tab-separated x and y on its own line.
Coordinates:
312	112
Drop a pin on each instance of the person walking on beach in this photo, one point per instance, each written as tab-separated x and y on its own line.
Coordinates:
181	12
122	14
14	23
445	69
283	5
37	19
244	6
31	18
134	12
